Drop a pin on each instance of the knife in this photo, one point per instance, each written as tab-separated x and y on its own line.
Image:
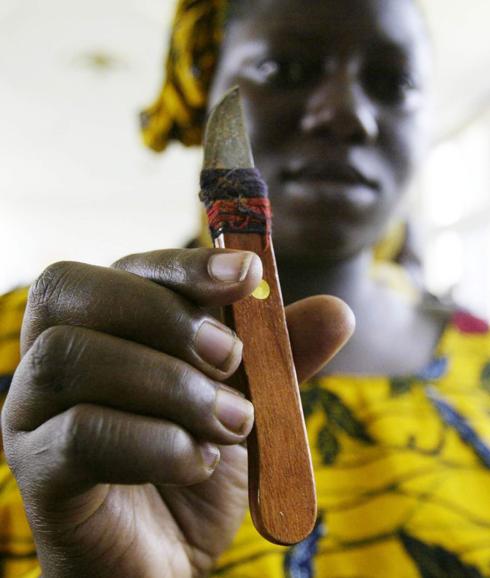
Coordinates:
282	494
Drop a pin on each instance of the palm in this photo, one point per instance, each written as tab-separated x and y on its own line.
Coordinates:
168	531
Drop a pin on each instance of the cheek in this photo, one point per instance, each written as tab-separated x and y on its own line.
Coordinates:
403	143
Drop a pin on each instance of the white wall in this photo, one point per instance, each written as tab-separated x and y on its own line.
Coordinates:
75	182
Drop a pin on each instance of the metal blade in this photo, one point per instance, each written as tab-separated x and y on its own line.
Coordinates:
226	142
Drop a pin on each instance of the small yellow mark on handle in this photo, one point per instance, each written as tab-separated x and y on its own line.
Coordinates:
263	290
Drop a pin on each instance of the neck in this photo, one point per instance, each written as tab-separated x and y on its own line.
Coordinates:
347	279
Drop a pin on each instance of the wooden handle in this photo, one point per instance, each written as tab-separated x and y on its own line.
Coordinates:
281	484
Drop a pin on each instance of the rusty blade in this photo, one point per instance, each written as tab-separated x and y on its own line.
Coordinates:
226	142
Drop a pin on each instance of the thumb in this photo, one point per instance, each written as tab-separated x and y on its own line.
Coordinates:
318	328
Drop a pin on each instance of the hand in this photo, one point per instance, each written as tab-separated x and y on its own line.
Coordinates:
126	445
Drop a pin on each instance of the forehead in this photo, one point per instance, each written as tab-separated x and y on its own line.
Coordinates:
338	22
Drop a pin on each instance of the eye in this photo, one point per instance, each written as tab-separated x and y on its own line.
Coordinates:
285	72
391	86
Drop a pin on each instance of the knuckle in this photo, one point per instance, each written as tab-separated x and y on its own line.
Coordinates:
49	285
7	419
72	432
187	393
124	262
13	440
180	443
198	396
13	460
193	262
178	379
15	457
10	448
168	270
187	467
47	356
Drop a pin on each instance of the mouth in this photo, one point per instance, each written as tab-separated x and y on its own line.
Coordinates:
329	172
317	190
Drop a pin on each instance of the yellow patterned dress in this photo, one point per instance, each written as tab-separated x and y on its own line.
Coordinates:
402	468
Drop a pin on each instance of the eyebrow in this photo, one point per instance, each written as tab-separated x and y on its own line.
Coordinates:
294	32
394	50
297	32
379	41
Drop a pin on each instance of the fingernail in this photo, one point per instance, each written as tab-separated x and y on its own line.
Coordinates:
210	455
217	346
230	267
234	412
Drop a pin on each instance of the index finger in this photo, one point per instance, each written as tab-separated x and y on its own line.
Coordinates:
126	305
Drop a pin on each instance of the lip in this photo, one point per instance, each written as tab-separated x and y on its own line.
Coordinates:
329	172
320	200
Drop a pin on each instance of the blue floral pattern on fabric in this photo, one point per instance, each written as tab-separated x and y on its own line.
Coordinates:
435	370
298	562
455	420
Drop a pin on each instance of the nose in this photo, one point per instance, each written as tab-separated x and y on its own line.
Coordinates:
339	109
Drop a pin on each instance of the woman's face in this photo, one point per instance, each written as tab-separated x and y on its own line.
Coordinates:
335	99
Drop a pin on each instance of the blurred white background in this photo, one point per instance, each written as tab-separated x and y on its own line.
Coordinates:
75	182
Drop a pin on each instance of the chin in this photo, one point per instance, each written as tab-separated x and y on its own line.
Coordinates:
330	246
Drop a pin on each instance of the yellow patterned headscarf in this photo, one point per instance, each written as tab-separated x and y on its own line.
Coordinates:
179	112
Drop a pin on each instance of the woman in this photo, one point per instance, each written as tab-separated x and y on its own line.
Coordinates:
126	448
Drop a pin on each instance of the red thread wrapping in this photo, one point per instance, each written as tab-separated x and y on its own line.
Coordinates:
241	215
236	201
